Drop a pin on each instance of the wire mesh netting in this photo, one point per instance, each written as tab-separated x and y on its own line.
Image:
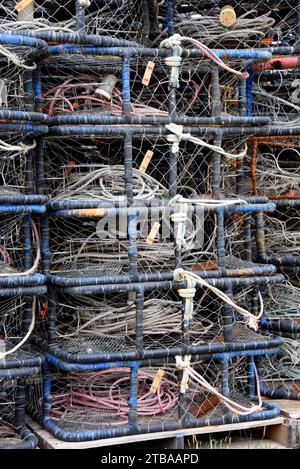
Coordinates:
95	167
99	400
90	328
275	91
98	87
278	234
232	24
13	431
280	376
16	151
19	248
115	18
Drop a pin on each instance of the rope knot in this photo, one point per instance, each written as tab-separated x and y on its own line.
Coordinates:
183	364
190	291
252	322
179	274
171	41
176	136
84	3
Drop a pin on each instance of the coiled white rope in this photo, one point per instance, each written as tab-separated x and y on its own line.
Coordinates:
251	320
19	148
177	136
107	182
188	373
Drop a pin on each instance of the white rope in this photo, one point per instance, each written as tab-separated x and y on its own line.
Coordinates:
181	217
37	258
177	40
251	320
175	62
188	294
20	148
177	136
29	332
84	3
184	364
15	59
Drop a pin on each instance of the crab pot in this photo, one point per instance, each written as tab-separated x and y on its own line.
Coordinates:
14	433
18	151
89	324
104	401
231	24
272	167
101	241
20	309
281	307
120	19
280	378
147	86
20	241
277	234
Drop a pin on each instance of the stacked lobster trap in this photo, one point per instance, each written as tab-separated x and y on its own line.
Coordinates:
149	167
21	278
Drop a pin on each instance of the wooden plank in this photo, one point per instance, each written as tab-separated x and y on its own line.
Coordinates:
282	434
289	408
46	440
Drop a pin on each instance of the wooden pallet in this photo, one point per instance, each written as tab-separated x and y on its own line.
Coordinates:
168	439
287	434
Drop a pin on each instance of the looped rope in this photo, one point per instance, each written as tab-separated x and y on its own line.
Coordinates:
251	320
188	373
20	148
12	57
177	40
177	136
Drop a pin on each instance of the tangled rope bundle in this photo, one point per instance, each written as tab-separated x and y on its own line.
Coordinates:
248	27
100	318
107	182
79	96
